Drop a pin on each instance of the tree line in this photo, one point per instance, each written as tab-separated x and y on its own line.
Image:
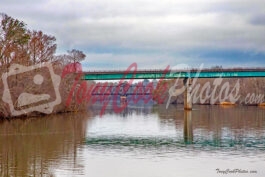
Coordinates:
20	45
27	47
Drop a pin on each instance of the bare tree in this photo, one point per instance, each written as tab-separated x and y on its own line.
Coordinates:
76	55
13	37
41	47
63	59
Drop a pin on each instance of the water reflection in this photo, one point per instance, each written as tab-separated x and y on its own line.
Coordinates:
204	127
188	132
37	146
78	144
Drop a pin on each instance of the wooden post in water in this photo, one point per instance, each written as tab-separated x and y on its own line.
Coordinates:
187	94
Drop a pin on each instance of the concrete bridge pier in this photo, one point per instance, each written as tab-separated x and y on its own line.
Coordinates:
187	94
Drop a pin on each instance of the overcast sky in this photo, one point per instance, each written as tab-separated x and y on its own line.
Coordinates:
154	33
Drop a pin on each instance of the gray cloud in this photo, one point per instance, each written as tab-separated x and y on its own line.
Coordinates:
149	25
258	19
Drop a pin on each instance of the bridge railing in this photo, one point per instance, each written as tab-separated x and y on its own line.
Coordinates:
238	69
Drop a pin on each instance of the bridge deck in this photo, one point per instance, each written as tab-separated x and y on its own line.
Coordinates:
157	74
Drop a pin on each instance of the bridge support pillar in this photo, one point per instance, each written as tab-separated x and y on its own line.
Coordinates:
187	94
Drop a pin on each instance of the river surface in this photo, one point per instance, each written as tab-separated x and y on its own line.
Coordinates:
149	141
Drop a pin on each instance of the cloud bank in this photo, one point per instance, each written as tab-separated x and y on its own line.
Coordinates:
113	34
